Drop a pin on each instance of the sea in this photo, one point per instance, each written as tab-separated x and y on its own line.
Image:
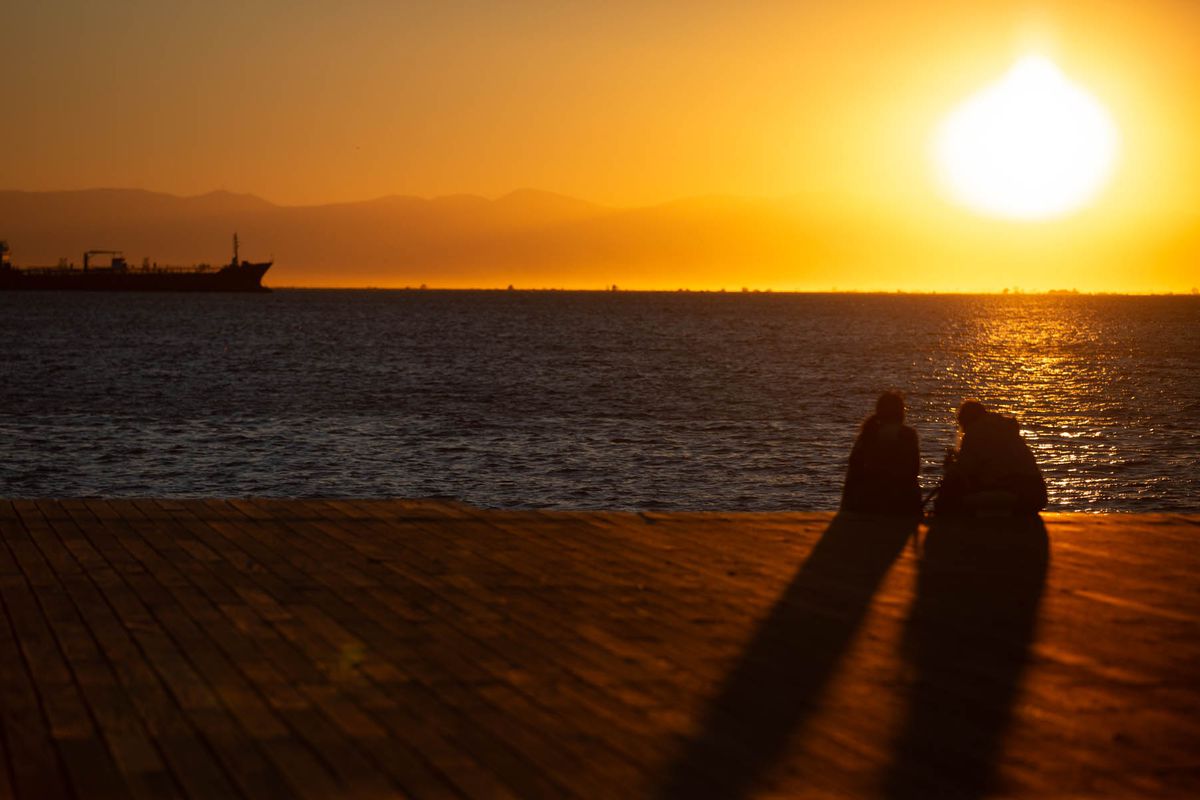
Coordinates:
582	400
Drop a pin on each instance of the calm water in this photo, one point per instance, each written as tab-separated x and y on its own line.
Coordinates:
582	400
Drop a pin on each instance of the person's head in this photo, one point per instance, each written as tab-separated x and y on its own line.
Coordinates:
890	408
969	412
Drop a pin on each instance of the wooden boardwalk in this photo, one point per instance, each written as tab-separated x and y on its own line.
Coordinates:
322	648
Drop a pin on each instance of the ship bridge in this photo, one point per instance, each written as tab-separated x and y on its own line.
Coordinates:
117	263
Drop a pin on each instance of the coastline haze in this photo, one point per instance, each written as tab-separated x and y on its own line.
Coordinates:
537	239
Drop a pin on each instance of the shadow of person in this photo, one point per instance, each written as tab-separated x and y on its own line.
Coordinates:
774	687
967	640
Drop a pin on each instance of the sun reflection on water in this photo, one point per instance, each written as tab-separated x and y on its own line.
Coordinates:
572	400
1082	403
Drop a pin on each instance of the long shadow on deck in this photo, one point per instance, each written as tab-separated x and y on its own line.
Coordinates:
793	653
967	637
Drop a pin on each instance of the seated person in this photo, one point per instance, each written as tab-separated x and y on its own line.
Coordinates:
882	476
993	470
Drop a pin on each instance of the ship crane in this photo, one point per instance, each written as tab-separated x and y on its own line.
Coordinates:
118	260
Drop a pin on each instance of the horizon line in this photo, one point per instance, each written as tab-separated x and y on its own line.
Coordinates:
1194	292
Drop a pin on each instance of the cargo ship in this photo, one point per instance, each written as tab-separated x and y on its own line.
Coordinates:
119	276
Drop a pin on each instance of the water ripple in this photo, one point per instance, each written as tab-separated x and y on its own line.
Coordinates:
582	400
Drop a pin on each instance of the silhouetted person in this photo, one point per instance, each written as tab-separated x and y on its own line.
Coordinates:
994	470
882	476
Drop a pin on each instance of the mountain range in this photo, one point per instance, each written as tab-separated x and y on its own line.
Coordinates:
528	237
538	239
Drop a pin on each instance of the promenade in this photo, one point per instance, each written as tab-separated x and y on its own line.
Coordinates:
426	649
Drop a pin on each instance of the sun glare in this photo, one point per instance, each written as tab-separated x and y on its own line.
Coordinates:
1033	145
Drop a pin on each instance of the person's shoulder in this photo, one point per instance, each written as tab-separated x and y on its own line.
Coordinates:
995	421
1008	425
869	428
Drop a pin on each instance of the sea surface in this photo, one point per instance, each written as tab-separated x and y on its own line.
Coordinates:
582	400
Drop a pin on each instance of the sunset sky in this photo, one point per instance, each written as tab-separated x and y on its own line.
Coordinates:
831	105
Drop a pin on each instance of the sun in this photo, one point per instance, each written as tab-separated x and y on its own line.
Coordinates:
1033	145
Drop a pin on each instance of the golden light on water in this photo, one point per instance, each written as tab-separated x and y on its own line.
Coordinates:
1033	145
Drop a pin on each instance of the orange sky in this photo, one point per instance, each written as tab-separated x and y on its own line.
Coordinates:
623	103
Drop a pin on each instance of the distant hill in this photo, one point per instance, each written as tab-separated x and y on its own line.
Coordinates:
533	238
529	237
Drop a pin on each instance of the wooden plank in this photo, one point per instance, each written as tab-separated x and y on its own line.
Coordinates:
274	648
316	647
515	729
239	711
510	636
88	721
345	756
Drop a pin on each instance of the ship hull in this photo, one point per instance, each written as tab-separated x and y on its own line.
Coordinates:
245	277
